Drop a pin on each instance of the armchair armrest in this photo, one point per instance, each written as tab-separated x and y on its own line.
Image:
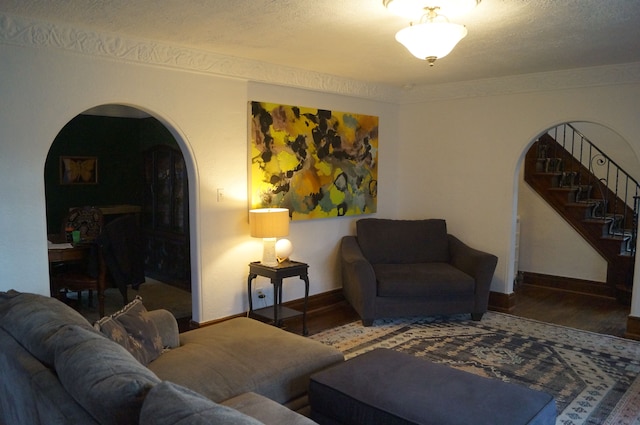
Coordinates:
477	264
358	279
167	327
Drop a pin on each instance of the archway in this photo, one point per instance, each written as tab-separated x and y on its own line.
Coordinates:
122	143
551	250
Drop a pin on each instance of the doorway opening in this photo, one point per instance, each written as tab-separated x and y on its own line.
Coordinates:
127	162
551	252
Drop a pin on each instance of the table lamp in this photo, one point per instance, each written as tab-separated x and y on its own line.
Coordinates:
269	224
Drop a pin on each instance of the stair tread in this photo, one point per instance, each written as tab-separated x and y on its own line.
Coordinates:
581	204
563	189
548	173
597	220
616	237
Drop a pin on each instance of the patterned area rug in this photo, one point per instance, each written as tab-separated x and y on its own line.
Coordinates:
594	378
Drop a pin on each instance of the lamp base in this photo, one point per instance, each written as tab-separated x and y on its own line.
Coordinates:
269	252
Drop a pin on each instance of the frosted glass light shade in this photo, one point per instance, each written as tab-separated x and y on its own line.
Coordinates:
284	248
431	40
414	9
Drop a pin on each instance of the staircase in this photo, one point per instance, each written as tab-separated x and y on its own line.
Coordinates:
595	196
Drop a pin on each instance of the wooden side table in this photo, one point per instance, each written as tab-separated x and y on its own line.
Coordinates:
278	312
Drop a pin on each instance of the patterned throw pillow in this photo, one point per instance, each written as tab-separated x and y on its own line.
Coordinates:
132	328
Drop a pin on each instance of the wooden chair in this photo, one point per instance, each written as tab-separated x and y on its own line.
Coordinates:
88	220
88	271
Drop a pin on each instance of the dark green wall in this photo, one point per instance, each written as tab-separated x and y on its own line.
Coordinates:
118	143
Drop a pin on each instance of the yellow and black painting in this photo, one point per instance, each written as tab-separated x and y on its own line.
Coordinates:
315	162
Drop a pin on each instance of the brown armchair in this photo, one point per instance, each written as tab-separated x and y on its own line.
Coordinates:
396	268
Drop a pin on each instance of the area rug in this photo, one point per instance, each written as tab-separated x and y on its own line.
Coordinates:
594	378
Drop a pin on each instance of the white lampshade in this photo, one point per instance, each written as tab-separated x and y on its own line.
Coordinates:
269	224
431	40
414	9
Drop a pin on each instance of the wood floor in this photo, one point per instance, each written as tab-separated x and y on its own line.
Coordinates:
586	312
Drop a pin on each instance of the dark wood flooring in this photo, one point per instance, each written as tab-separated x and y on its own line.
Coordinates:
575	310
586	312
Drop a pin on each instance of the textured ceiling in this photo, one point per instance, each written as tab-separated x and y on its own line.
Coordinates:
355	38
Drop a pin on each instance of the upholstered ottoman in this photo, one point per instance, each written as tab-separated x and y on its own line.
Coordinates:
389	387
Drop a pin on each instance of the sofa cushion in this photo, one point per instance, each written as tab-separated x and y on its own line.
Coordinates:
266	410
170	404
102	376
33	320
403	241
132	328
32	392
423	280
243	355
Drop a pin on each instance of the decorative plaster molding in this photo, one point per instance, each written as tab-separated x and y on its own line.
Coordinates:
25	32
543	81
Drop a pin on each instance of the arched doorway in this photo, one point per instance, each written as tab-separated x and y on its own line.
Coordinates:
139	169
551	250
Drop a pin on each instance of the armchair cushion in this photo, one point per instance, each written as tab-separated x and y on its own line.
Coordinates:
403	241
422	280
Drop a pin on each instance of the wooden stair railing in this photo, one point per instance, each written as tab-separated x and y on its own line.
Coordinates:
589	205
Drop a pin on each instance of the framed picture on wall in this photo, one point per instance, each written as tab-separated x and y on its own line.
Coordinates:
78	170
317	163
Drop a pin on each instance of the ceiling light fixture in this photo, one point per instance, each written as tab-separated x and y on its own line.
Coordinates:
433	37
414	9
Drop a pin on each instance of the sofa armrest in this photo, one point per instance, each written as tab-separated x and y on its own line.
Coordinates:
358	279
477	264
167	327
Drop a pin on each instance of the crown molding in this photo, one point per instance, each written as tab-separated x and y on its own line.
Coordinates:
19	31
628	73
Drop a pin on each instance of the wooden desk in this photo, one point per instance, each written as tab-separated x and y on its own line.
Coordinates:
76	281
63	255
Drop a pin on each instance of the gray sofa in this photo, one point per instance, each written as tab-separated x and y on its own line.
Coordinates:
395	268
58	369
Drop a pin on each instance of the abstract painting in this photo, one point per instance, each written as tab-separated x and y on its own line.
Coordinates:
317	163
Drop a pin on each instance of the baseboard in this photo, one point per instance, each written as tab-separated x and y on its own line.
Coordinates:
582	286
316	304
503	303
633	328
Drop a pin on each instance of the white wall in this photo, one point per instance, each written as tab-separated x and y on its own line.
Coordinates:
457	159
614	146
43	89
464	160
548	245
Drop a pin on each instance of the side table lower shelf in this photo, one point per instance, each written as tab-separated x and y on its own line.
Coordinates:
283	313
